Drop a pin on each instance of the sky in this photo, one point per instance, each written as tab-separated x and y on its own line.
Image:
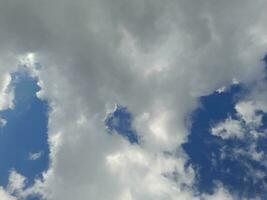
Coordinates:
133	100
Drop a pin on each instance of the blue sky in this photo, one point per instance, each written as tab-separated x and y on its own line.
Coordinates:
25	132
204	149
120	122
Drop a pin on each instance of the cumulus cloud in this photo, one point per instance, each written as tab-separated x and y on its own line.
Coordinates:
16	183
5	196
248	112
230	128
6	92
155	58
15	189
249	116
220	194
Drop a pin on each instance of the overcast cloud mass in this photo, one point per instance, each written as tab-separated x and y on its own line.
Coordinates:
156	58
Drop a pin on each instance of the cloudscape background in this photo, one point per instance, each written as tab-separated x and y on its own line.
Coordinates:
133	99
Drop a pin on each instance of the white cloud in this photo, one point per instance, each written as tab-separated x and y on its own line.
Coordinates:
15	189
6	92
155	57
5	196
3	122
248	112
35	156
230	128
247	127
220	194
16	183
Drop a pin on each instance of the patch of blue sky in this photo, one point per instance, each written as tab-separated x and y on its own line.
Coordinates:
205	150
25	132
120	122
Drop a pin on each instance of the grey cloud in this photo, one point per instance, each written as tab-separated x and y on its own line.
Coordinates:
155	57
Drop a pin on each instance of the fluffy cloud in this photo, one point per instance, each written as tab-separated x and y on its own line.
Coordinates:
154	57
230	128
5	196
6	92
220	194
16	183
15	189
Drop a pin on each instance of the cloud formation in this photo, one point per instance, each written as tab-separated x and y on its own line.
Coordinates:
154	57
5	196
6	92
